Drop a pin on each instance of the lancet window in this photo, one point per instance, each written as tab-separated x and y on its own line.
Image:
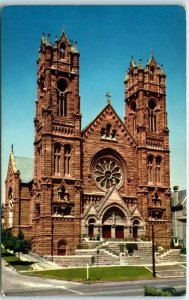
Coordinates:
158	169
150	169
57	159
61	97
67	159
152	115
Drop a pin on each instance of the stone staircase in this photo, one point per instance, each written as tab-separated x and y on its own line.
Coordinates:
141	249
110	252
117	252
170	271
172	255
100	256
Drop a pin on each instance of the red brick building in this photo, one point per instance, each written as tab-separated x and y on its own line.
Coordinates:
110	179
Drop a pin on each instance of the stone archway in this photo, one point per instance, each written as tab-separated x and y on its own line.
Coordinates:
92	222
62	248
113	223
136	225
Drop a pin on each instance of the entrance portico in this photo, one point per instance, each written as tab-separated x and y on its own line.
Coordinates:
114	223
112	218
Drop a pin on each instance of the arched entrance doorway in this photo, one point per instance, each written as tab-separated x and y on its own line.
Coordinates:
135	229
92	221
113	223
62	248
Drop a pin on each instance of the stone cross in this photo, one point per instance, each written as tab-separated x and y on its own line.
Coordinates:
108	95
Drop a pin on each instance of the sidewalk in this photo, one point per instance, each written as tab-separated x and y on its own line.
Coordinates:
40	263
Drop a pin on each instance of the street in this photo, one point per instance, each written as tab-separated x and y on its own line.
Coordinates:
16	284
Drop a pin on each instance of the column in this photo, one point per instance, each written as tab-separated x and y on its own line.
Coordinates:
113	231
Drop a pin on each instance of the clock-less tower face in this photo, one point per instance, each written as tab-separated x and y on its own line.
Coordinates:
107	171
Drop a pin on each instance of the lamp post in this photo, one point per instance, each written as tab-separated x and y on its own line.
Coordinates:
97	252
153	253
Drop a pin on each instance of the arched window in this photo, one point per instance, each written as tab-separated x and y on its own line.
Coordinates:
108	128
91	227
133	108
63	194
61	97
108	132
62	247
113	134
156	200
136	225
67	159
152	115
57	160
62	51
152	73
158	169
150	169
62	104
10	197
103	132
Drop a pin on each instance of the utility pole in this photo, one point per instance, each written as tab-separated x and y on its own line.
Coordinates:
153	253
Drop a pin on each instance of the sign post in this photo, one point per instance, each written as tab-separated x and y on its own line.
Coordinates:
87	271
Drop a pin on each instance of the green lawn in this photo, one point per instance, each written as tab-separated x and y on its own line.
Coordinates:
97	273
116	273
15	262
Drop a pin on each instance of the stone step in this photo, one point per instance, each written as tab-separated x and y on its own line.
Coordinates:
169	274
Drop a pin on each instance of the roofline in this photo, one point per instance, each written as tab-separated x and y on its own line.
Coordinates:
24	157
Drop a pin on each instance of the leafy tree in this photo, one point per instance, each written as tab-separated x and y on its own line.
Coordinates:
16	244
7	238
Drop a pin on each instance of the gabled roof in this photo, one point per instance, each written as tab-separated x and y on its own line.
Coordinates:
181	196
178	199
26	168
101	113
113	197
152	60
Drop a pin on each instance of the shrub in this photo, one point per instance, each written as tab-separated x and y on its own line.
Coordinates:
131	247
183	250
165	291
15	244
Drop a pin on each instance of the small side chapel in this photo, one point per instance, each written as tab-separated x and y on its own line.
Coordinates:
110	180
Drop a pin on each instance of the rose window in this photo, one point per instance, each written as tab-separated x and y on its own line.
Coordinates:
107	172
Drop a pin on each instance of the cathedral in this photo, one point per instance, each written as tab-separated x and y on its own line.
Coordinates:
109	180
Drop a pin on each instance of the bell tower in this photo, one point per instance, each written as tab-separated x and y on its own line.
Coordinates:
57	164
146	120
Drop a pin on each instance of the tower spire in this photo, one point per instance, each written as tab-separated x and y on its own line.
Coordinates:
63	31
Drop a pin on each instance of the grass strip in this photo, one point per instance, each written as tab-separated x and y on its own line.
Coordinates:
15	262
118	273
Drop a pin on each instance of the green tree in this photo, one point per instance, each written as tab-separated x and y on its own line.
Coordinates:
16	244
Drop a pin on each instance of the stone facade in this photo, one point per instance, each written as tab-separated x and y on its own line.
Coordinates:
107	181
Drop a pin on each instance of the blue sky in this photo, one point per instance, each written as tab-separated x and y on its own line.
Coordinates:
107	37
